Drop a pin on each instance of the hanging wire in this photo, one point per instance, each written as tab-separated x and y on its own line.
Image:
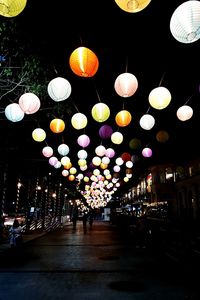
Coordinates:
188	99
161	79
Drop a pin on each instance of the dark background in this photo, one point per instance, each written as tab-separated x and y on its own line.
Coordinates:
140	43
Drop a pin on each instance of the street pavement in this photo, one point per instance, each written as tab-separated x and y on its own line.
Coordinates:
102	262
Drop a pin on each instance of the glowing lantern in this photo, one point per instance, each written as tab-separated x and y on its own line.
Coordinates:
67	165
79	121
100	112
57	165
53	160
162	136
100	150
57	125
105	160
71	177
147	121
59	89
132	6
38	134
65	173
12	8
63	149
47	151
123	118
116	168
83	62
185	22
29	103
65	160
184	113
135	143
110	152
82	162
117	138
83	140
129	164
159	98
147	152
82	154
13	112
105	131
72	170
96	161
126	85
119	161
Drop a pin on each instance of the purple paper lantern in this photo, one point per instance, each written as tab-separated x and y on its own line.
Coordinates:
105	131
147	152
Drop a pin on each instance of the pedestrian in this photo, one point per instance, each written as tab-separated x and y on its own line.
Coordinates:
15	234
74	216
84	218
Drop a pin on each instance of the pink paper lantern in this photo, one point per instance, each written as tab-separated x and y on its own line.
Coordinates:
126	85
47	151
83	140
147	152
29	103
53	160
110	152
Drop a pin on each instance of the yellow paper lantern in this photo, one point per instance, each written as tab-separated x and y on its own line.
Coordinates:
84	62
100	112
160	97
12	8
117	138
132	6
38	134
123	118
79	121
57	125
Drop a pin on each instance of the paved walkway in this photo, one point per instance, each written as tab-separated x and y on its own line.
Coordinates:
99	263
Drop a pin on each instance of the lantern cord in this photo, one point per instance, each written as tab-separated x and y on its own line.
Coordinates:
75	106
161	79
55	70
126	64
98	96
123	105
188	99
148	110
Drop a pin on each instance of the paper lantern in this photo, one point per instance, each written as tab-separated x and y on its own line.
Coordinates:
83	140
57	165
105	131
126	156
147	121
126	85
119	161
79	121
53	160
13	112
184	113
110	152
47	151
59	89
159	98
117	138
129	164
162	136
132	6
147	152
100	150
100	112
71	177
39	135
65	160
65	173
72	170
123	118
82	154
63	149
134	144
116	168
29	103
12	8
57	125
185	22
82	162
105	160
96	161
84	62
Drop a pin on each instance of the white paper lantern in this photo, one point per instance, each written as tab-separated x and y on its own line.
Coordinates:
29	103
100	150
47	151
13	112
160	97
184	113
63	149
147	121
79	121
59	89
185	22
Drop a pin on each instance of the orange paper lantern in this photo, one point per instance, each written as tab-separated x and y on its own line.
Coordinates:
123	118
84	62
57	125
